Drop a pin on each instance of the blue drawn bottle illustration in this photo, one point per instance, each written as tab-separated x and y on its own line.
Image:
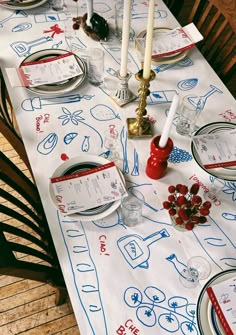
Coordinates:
135	248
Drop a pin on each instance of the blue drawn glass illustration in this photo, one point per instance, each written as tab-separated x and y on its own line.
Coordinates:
135	171
178	315
230	189
179	155
160	97
215	238
56	45
124	140
85	275
186	62
21	27
135	248
187	84
203	98
77	119
51	17
15	15
23	48
229	216
102	112
179	266
31	104
86	144
47	145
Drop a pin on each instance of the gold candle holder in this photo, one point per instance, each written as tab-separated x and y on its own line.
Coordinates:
141	125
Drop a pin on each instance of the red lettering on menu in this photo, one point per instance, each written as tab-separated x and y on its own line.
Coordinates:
129	325
103	247
214	198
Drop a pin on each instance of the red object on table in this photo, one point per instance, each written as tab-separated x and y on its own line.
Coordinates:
157	162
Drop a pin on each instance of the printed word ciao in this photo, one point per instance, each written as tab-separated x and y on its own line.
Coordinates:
212	197
128	328
41	119
103	247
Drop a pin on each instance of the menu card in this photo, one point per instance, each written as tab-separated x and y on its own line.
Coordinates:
174	41
216	150
223	298
46	71
88	189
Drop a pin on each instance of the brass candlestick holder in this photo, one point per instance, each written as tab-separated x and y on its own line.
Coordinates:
141	125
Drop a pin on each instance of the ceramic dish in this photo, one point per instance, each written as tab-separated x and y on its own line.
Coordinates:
206	324
227	173
60	87
79	164
25	4
171	59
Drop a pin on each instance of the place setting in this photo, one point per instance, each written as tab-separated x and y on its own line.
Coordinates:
22	4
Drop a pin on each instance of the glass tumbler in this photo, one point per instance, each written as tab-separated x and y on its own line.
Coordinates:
131	207
95	63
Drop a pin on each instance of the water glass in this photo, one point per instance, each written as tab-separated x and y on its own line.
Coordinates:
58	5
131	207
190	109
95	63
119	10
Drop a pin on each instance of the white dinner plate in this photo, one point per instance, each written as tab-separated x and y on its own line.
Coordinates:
79	164
25	4
170	59
206	324
227	173
60	87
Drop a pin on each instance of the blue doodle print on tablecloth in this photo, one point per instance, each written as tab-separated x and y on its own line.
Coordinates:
68	138
47	145
22	27
160	97
174	316
76	119
17	14
135	248
179	155
102	112
186	62
23	48
110	221
51	17
187	84
99	7
230	188
84	274
229	216
37	103
135	171
123	141
179	266
86	144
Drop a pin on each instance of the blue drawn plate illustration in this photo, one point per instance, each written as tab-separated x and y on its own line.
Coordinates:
227	173
24	4
206	325
59	87
79	164
171	59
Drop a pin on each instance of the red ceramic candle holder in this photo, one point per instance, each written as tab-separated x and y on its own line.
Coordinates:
157	162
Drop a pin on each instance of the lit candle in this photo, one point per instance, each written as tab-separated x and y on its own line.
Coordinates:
125	38
169	120
89	11
149	36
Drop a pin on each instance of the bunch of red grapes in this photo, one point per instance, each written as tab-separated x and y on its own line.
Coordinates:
185	206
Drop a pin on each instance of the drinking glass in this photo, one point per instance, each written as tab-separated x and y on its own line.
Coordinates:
119	10
190	109
111	143
69	32
131	207
95	63
58	5
198	268
217	185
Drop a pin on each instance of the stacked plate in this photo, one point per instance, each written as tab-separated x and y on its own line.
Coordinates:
24	4
207	319
79	164
61	87
227	173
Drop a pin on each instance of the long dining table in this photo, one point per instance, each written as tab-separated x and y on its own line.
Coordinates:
122	280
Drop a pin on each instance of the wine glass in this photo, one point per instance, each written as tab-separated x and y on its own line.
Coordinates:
217	185
198	268
69	33
111	142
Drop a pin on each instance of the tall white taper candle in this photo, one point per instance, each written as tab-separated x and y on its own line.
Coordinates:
169	120
89	11
149	37
125	38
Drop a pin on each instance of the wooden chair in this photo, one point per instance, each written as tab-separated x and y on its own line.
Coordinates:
27	249
216	21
